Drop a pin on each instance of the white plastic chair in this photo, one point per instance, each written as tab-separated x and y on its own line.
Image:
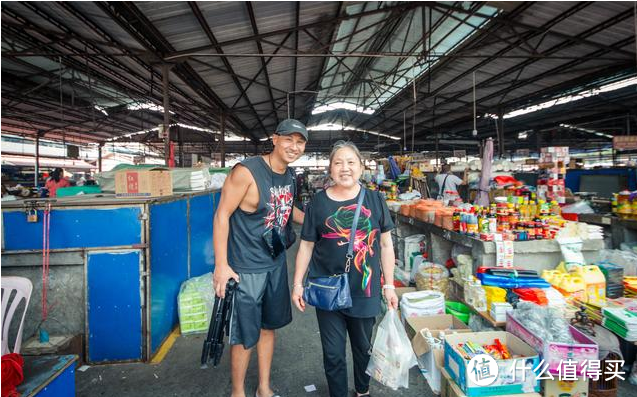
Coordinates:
23	288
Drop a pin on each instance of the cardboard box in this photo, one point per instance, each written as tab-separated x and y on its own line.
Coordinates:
510	377
147	182
449	388
562	388
413	325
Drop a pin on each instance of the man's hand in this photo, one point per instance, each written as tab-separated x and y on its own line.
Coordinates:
297	297
391	298
223	273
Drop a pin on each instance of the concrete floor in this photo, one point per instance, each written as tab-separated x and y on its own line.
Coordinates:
298	362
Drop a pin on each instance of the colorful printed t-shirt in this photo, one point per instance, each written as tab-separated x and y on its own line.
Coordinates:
247	250
328	224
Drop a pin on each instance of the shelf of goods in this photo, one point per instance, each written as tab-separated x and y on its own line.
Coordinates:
533	255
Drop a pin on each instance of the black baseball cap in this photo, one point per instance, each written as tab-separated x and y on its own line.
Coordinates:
291	126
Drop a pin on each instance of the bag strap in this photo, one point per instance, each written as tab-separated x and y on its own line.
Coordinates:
352	236
441	193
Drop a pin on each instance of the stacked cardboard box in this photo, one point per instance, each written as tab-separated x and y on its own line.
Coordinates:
550	183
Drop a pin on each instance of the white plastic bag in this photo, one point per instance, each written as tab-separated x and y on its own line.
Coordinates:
392	355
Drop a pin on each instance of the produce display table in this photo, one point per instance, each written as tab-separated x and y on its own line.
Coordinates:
533	255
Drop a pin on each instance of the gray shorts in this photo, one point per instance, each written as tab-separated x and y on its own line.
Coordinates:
261	301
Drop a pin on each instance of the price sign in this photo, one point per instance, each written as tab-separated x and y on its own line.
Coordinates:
625	142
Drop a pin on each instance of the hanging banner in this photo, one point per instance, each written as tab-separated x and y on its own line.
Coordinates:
625	142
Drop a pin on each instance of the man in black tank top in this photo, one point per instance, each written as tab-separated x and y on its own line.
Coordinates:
249	246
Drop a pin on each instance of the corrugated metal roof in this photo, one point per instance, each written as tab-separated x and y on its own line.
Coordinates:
534	51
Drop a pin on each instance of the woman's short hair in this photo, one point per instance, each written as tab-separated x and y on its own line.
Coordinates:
345	144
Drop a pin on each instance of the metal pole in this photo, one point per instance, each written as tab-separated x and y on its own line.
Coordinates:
99	157
37	159
181	147
500	133
223	140
165	70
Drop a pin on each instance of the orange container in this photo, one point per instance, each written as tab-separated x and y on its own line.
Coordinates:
404	209
443	212
431	203
412	211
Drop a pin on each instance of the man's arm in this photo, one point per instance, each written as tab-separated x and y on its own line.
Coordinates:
297	215
234	190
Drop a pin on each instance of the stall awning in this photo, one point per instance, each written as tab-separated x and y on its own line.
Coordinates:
48	162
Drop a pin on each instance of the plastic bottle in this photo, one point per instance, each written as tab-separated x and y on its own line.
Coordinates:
493	223
463	222
555	208
456	221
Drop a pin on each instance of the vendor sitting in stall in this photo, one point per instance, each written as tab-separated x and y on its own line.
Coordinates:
56	181
448	185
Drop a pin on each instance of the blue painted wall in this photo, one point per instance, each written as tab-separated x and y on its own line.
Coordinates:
74	228
168	266
114	306
201	250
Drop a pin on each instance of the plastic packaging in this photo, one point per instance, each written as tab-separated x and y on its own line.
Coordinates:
545	323
195	301
422	303
413	244
572	251
625	258
392	355
580	207
431	276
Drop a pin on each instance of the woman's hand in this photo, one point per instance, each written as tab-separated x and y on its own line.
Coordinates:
297	297
391	298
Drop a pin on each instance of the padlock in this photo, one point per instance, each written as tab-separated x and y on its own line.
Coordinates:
32	215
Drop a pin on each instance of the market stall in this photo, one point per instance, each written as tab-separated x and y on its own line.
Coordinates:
113	266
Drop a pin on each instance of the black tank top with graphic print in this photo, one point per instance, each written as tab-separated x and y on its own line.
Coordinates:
247	252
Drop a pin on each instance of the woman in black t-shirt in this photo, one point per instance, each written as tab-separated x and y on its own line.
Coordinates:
324	242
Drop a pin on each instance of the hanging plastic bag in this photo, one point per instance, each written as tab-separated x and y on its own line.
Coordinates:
194	304
392	354
572	251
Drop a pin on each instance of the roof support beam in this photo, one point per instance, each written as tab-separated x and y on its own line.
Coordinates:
213	40
333	21
135	23
255	30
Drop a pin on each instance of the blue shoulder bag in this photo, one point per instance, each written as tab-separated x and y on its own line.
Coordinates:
332	293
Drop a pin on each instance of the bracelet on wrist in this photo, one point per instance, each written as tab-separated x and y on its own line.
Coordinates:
388	286
297	285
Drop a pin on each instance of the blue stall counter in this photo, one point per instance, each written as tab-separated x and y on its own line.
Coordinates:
48	376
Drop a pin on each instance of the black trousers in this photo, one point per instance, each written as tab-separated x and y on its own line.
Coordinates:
334	328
